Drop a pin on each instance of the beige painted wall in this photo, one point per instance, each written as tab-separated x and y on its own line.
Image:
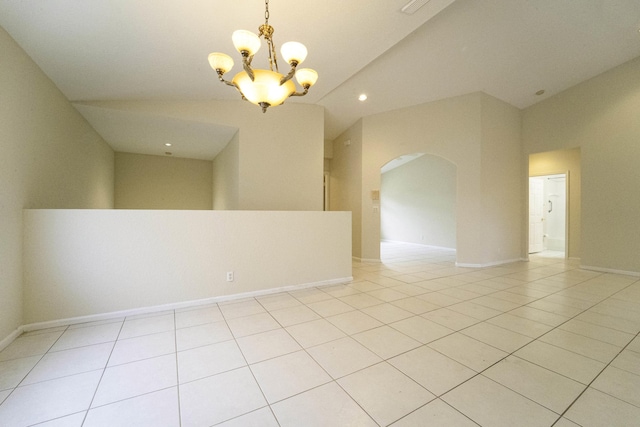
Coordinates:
601	117
155	182
477	133
502	169
563	161
51	158
89	262
282	158
345	183
448	128
418	202
280	152
225	176
328	155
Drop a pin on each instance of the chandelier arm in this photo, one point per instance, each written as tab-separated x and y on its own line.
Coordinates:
303	93
292	72
246	64
229	83
273	59
288	77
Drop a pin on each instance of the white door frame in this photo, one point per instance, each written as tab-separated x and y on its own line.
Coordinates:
536	214
567	208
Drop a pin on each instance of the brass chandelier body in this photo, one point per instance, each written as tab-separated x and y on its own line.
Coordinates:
265	88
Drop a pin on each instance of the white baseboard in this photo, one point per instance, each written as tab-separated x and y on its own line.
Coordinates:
12	336
165	307
420	244
490	264
355	258
611	270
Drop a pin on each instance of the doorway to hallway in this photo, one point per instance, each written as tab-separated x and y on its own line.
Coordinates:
548	214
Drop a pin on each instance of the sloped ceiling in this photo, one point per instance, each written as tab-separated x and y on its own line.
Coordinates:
156	50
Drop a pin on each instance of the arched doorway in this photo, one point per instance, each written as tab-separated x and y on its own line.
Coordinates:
418	201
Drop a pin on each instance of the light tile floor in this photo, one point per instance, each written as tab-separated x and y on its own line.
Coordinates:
412	341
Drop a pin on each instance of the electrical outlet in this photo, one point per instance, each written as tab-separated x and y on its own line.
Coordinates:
229	276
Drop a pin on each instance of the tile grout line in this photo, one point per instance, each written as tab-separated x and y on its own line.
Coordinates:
333	380
34	366
447	266
480	321
175	346
554	328
606	366
443	401
512	353
104	370
595	378
251	370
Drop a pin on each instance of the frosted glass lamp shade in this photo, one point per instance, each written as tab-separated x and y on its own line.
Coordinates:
246	40
306	76
220	61
265	88
293	51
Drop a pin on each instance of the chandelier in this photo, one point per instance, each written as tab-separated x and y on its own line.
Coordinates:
265	88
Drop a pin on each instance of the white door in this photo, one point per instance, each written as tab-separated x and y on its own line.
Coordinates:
536	215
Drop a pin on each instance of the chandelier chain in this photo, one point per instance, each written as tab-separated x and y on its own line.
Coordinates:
266	31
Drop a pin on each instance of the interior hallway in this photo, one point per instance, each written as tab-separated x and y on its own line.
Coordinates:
412	341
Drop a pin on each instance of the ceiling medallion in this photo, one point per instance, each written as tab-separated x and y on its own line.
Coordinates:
265	88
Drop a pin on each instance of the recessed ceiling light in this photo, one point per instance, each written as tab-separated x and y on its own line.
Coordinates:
362	97
540	92
168	144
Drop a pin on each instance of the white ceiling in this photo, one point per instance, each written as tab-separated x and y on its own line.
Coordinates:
156	50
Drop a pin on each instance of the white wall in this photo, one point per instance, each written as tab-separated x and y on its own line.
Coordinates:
87	262
162	182
51	158
600	116
225	176
418	202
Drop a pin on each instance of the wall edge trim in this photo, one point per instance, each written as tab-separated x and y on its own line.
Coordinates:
11	337
355	258
610	270
164	307
490	264
419	244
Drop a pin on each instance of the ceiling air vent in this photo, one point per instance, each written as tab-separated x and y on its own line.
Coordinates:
411	7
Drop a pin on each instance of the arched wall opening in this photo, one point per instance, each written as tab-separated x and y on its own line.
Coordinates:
479	135
418	200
